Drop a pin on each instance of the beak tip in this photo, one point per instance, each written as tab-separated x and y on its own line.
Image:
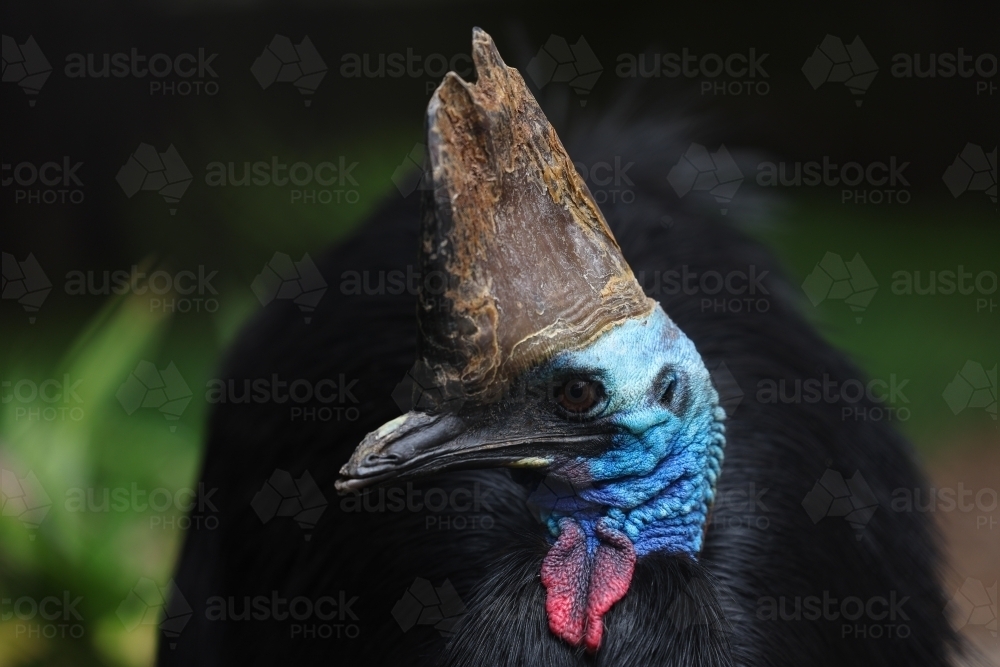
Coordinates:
347	484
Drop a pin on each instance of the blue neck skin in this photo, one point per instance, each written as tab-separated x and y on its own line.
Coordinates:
656	482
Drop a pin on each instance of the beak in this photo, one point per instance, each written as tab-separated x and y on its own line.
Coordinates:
418	444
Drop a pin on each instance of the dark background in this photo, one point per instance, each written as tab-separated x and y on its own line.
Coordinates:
99	339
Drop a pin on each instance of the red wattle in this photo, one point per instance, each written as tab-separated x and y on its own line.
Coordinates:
610	577
580	588
565	574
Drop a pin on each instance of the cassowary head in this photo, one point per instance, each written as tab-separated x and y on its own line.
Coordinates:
546	355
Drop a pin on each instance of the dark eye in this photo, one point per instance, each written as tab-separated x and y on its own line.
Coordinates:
579	396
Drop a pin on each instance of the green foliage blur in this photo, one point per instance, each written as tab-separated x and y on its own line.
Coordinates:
93	343
100	555
85	443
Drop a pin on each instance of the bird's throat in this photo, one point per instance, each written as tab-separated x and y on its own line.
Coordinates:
582	585
596	541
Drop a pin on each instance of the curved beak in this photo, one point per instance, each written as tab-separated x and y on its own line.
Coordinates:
418	444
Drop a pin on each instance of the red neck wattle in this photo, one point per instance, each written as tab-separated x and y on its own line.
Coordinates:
582	587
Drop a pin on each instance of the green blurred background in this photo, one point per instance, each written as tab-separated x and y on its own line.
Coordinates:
87	440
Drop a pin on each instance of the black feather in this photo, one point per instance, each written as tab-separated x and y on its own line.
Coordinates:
677	612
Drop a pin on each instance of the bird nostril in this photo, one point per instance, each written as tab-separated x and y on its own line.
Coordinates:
374	459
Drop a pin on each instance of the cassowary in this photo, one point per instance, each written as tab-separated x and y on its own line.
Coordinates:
578	420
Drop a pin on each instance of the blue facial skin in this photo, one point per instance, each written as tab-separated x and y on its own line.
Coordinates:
656	482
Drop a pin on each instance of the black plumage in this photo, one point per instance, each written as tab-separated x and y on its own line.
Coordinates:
676	612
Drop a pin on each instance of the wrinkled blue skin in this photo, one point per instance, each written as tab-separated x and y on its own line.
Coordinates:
656	482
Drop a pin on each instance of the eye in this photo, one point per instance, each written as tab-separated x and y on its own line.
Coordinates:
578	396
